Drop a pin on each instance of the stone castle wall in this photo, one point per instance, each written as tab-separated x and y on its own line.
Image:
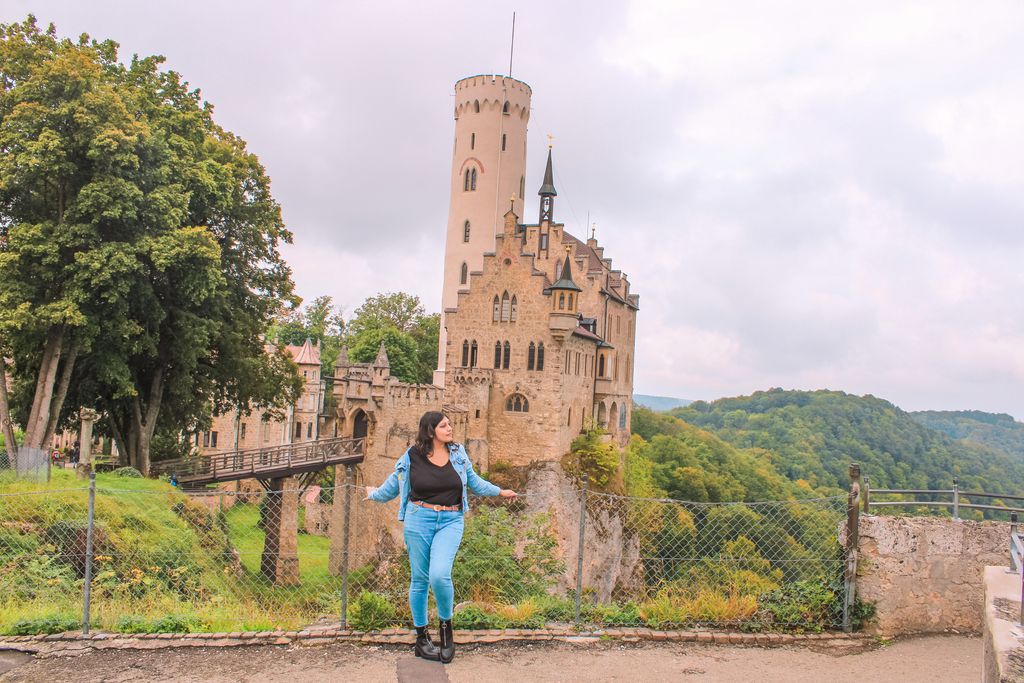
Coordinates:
925	574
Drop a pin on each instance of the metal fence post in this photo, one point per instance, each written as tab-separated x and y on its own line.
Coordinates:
90	524
579	557
866	495
344	545
956	498
852	540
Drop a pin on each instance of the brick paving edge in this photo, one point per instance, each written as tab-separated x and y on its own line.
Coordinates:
66	643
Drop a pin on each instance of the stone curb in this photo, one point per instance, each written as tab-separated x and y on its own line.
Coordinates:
68	643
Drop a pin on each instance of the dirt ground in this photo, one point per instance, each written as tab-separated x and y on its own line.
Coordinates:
916	660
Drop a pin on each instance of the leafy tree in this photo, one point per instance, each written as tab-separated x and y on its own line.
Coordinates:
391	309
400	347
409	335
139	246
321	321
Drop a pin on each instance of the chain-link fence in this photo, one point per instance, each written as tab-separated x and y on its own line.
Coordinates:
160	560
27	463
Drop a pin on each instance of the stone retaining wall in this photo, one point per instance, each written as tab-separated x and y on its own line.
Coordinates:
60	644
925	574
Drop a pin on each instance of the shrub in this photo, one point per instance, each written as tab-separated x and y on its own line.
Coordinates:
591	455
371	612
170	623
55	623
475	617
127	473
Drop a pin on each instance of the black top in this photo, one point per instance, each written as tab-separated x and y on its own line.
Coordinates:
432	484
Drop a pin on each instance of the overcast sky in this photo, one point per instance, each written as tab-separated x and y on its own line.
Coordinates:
804	194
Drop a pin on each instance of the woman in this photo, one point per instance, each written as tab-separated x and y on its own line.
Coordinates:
431	479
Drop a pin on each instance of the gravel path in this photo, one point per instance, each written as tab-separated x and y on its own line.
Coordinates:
916	660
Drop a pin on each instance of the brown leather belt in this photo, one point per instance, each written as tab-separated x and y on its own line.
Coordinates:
436	508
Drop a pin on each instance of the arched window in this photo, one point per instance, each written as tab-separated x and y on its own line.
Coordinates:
504	108
465	183
497	309
540	356
465	353
472	179
508	352
464	274
517	403
506	308
531	356
570	301
515	309
465	231
472	354
561	301
622	418
497	355
476	106
600	365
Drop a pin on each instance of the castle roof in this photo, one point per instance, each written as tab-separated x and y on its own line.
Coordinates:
307	354
547	188
566	281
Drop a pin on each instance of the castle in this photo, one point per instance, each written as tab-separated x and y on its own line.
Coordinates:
537	334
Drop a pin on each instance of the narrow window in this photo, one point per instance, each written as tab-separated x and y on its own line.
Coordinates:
570	301
600	366
305	374
472	355
506	308
622	419
476	106
472	180
497	355
558	268
568	423
531	356
503	140
213	439
508	352
465	183
540	356
298	429
561	301
309	430
465	353
517	404
515	308
241	432
465	231
508	404
577	362
504	108
206	439
543	243
526	405
472	140
497	309
464	274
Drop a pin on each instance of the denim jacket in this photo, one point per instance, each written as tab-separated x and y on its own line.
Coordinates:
397	483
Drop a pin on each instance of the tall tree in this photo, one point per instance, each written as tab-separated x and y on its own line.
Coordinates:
139	248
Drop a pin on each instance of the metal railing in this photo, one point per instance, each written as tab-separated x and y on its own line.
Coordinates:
955	503
276	461
1017	560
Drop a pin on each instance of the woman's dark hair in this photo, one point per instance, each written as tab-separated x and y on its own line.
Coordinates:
425	438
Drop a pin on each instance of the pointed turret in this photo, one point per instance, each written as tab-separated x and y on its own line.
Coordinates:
565	281
564	315
548	193
382	358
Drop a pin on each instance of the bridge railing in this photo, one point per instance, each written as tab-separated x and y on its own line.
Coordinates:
252	462
955	502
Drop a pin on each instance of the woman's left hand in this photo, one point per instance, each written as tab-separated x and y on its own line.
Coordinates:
508	493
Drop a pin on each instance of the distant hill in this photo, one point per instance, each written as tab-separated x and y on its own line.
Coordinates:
813	436
659	403
996	430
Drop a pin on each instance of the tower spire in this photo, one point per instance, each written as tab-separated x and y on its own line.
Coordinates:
547	192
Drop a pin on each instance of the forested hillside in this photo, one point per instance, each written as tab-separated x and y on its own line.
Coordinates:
810	438
996	430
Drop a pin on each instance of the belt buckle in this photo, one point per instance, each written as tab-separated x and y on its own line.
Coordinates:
437	508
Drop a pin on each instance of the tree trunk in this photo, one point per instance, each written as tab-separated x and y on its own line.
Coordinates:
123	454
47	377
57	404
145	425
5	412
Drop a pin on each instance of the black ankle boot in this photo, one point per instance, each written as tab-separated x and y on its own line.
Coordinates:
424	647
447	641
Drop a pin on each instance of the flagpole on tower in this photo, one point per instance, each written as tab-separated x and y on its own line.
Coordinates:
512	48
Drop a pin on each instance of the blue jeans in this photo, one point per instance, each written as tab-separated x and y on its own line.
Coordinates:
432	539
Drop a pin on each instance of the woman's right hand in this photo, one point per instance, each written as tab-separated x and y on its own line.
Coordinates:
369	492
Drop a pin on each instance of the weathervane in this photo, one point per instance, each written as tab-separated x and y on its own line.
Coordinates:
551	140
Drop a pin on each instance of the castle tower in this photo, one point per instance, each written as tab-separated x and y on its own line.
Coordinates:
488	169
